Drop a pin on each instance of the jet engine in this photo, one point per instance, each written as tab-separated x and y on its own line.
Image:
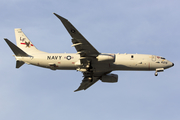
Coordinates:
111	78
106	57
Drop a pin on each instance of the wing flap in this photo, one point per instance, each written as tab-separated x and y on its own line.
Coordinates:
84	47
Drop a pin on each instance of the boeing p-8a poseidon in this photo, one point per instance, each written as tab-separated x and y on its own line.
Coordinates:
93	64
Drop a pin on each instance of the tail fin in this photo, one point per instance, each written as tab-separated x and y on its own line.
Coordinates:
24	43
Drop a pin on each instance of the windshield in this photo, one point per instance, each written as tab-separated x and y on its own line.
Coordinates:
161	58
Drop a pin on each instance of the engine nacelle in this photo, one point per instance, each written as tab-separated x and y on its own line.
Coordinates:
111	78
106	57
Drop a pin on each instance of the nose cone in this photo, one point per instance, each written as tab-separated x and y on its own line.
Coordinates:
168	65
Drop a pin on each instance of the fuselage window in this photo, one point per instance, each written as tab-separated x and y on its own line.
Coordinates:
132	56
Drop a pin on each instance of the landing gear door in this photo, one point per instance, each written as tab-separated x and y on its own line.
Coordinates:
153	58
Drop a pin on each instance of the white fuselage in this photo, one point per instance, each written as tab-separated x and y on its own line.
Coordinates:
71	61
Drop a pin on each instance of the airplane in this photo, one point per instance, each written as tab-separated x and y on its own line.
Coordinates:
93	64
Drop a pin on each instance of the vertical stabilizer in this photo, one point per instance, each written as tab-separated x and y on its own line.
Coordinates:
24	43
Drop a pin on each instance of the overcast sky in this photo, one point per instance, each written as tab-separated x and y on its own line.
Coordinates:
111	26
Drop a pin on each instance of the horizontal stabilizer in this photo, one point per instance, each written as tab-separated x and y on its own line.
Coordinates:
19	63
17	51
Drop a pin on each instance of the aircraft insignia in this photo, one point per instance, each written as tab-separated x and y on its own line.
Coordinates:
68	57
28	44
73	31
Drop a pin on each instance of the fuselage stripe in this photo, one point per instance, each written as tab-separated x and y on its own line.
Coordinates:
25	44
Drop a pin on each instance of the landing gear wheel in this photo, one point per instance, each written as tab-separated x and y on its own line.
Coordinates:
90	79
156	74
89	67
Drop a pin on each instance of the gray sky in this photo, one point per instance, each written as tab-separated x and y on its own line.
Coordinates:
121	26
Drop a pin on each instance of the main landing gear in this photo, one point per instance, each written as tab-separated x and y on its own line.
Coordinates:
89	72
89	67
90	79
88	76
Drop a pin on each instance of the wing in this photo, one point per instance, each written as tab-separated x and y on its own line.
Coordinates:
86	83
87	53
83	47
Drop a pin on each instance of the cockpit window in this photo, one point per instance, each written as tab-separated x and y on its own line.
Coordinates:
160	57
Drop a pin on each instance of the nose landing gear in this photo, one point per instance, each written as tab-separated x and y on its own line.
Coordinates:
156	74
158	70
